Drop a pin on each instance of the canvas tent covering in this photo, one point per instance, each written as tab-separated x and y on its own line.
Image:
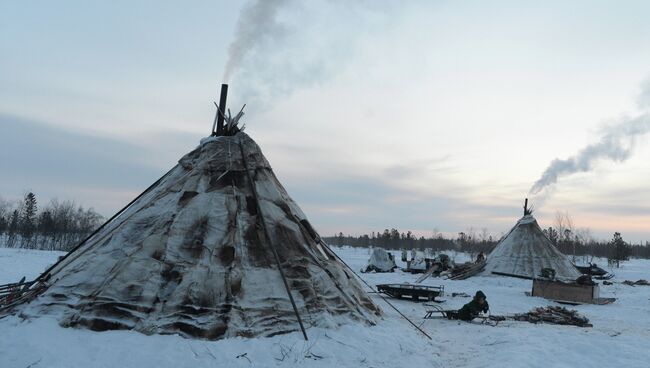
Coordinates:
525	251
418	261
193	256
380	261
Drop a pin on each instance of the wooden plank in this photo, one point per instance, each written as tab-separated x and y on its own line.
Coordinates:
429	272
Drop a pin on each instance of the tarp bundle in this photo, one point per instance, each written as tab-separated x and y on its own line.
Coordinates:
380	261
418	261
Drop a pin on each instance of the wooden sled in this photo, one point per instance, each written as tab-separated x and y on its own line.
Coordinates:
414	292
17	293
436	312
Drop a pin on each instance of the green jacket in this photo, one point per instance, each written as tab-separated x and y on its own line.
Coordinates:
472	309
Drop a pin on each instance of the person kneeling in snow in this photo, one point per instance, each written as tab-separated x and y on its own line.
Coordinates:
472	309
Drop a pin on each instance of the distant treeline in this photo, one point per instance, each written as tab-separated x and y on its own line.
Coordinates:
570	241
394	239
59	225
615	249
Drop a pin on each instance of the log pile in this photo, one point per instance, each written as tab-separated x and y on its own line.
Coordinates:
554	315
466	270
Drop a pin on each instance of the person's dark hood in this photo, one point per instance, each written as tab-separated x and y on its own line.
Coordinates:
479	294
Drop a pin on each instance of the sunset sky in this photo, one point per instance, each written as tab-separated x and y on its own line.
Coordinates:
425	115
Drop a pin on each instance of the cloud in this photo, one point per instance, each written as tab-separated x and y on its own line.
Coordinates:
354	203
278	49
415	168
53	161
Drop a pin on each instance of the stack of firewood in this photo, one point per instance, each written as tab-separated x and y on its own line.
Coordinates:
466	270
554	315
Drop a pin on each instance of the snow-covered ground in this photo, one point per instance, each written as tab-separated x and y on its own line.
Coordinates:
620	336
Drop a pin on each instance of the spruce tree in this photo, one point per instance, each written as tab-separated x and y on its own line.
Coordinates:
28	219
620	249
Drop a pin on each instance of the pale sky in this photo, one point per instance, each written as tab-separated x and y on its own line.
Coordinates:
374	114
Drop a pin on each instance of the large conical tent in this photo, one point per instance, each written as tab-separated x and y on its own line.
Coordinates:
196	255
525	251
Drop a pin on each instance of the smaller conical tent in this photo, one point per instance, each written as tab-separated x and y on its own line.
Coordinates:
525	251
380	261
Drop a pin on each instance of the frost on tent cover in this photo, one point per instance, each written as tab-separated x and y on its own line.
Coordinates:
194	255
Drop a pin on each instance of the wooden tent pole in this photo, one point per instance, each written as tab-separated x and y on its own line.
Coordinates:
268	238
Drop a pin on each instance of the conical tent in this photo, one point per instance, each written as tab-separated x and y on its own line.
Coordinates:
195	256
380	261
525	251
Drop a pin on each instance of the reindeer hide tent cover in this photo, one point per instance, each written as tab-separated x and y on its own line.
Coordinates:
191	256
525	251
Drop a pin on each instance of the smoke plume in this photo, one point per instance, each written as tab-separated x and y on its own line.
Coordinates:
643	101
281	46
257	22
616	144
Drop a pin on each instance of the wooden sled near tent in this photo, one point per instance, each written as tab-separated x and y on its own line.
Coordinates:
436	312
19	292
414	292
594	271
10	292
548	315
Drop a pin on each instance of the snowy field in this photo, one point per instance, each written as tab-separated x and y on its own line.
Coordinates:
620	336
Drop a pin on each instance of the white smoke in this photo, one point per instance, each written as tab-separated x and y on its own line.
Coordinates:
281	46
257	22
644	96
616	144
